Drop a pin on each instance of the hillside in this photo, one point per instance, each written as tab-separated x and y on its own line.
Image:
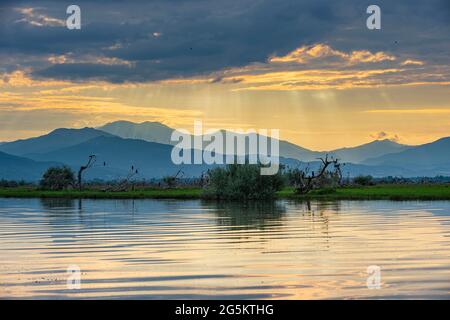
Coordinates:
57	139
19	168
148	131
428	155
369	150
151	159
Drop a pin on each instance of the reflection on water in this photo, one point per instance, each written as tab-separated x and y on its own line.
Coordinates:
257	215
156	249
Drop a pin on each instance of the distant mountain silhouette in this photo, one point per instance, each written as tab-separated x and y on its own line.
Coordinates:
27	159
55	140
153	160
148	131
19	168
369	150
160	133
428	155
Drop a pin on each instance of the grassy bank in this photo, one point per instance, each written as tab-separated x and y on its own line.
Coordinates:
179	193
381	192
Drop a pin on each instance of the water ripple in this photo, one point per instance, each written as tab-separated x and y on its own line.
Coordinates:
161	249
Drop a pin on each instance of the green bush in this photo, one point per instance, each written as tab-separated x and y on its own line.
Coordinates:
242	182
170	181
324	191
363	180
14	184
57	178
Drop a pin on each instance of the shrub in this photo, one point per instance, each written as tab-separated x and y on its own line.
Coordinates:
8	184
324	191
170	181
304	182
363	180
242	182
58	178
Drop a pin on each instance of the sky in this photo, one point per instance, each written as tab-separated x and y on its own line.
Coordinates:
311	69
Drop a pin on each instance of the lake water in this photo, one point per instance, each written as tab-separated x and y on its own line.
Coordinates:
161	249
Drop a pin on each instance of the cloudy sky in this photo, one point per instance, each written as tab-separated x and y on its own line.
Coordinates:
309	68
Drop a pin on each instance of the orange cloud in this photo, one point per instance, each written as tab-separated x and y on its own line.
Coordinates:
411	111
39	20
412	62
321	67
319	51
20	93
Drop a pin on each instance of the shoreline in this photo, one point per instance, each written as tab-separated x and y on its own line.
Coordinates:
380	192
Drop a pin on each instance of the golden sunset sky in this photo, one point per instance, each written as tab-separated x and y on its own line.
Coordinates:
325	89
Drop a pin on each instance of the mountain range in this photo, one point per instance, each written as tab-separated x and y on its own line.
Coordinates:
19	168
147	146
427	155
153	160
160	133
57	139
148	131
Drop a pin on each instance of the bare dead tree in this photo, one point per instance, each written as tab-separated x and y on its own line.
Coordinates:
125	183
304	182
171	181
338	171
92	159
308	186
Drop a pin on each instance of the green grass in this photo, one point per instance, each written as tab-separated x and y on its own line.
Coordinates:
178	193
381	192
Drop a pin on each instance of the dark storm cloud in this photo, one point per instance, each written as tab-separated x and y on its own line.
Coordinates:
167	39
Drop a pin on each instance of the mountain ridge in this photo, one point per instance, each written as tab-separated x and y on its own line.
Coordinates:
56	139
148	131
73	146
150	158
356	154
19	168
429	154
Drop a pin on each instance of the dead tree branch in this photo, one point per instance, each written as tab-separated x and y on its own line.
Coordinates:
89	164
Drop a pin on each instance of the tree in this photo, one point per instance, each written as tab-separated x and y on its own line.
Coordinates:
171	181
89	164
304	181
129	179
363	180
242	182
58	178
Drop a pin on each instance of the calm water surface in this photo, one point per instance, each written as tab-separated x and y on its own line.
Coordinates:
156	249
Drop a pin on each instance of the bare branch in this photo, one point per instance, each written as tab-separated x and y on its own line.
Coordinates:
92	159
